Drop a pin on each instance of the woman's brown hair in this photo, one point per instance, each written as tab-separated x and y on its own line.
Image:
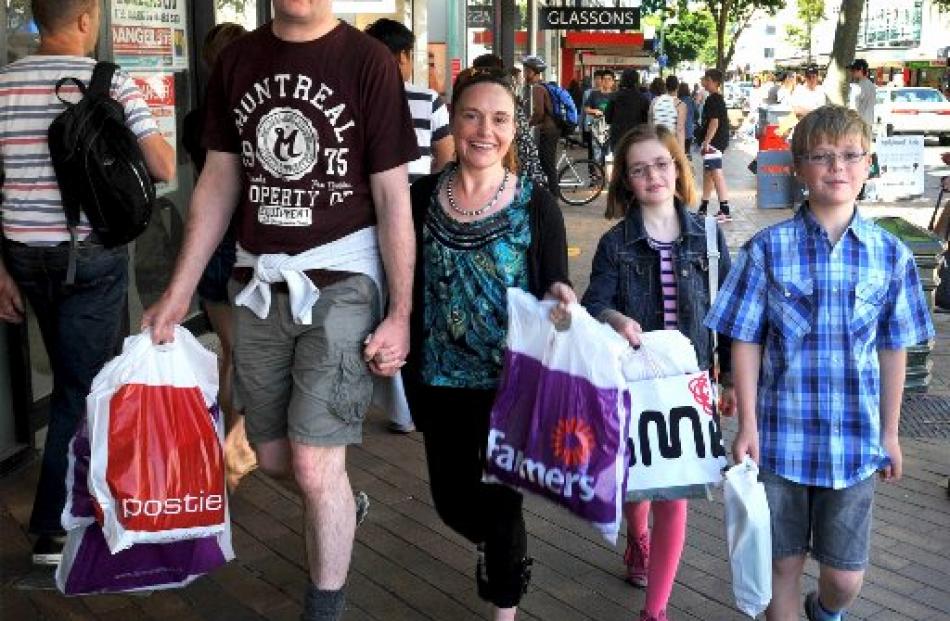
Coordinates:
499	77
619	196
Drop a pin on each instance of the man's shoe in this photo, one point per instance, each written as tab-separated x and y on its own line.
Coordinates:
48	550
723	216
637	559
394	427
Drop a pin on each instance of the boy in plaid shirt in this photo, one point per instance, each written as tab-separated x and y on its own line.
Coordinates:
821	309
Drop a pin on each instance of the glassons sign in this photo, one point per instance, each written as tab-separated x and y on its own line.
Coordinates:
563	18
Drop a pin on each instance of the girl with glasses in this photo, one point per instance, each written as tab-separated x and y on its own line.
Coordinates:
650	272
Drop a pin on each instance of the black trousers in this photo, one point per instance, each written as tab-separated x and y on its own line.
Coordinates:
547	152
454	423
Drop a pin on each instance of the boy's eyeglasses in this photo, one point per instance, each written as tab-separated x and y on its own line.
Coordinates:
827	159
641	170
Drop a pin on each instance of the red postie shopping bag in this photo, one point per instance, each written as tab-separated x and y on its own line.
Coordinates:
157	470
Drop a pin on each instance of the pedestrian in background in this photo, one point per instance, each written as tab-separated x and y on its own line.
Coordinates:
542	116
629	108
668	111
80	315
691	116
598	104
713	135
651	189
819	371
863	94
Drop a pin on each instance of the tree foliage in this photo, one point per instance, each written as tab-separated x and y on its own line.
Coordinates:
731	18
686	39
809	13
237	5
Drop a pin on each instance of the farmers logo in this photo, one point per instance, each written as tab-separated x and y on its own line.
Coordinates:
702	393
573	442
287	143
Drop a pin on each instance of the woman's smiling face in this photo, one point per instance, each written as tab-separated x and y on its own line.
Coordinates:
483	125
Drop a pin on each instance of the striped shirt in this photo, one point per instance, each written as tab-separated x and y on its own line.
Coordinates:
821	312
663	112
667	282
32	210
430	119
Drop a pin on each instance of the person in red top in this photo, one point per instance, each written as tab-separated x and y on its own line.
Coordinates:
309	136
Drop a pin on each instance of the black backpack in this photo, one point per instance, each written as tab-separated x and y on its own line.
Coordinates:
99	164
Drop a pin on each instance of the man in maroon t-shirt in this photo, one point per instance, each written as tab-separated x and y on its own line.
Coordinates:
308	135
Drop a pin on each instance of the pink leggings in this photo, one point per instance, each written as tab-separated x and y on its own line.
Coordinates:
666	545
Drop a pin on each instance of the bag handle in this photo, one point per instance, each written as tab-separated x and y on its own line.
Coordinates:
712	252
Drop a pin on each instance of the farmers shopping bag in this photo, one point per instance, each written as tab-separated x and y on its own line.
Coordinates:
559	421
156	470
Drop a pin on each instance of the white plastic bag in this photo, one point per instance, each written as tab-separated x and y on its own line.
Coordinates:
156	471
749	536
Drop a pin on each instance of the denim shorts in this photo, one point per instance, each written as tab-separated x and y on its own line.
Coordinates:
833	524
307	383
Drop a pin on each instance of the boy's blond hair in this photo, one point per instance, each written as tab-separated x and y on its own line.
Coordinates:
829	123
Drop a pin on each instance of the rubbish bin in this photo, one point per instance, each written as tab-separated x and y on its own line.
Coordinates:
775	182
770	115
927	249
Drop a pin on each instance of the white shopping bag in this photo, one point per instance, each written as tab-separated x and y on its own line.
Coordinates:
749	536
156	469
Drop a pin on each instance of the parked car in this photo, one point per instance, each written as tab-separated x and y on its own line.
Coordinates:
913	110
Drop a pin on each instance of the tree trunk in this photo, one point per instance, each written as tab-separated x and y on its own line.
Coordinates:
722	20
842	51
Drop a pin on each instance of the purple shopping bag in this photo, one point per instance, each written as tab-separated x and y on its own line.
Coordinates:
560	417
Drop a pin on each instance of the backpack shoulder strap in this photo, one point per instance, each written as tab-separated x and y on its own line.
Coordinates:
712	252
101	82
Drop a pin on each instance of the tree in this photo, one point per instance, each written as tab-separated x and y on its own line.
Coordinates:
685	40
237	5
810	12
736	14
842	51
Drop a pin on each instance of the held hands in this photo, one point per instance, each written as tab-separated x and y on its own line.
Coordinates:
561	315
11	303
386	348
892	471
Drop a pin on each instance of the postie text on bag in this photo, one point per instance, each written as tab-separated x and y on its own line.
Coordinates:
152	507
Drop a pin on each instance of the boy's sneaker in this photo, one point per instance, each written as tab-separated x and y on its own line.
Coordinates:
394	427
637	559
48	550
815	612
723	216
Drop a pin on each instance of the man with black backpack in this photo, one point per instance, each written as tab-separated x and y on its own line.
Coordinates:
542	117
79	313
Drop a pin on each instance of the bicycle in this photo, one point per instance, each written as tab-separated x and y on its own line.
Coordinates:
578	181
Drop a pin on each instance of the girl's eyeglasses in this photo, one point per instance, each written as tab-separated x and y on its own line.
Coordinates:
640	171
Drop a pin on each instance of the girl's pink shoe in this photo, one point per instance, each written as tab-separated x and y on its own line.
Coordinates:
637	559
646	617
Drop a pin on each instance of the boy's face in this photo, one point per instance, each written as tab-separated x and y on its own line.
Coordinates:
831	180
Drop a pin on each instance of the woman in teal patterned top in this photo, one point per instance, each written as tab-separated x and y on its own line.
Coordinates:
481	227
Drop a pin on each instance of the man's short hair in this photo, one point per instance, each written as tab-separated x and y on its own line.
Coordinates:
51	15
392	34
489	60
672	83
715	75
829	123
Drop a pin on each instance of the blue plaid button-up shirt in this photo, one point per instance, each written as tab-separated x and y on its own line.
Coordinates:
821	313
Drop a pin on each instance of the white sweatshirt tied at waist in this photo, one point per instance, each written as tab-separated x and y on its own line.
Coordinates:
357	252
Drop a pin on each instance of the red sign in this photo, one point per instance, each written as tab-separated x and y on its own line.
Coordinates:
594	40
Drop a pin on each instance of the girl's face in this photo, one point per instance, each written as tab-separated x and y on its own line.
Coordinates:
483	125
651	173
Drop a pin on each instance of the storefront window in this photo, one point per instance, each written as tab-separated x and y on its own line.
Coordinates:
22	37
242	12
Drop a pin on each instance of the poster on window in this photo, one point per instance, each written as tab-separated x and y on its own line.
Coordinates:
159	92
150	34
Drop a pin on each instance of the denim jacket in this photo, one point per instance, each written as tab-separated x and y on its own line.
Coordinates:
625	276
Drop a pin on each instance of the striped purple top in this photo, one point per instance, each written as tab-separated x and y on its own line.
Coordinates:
667	282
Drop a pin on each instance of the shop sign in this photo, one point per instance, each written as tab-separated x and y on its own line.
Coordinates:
150	34
482	16
565	18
